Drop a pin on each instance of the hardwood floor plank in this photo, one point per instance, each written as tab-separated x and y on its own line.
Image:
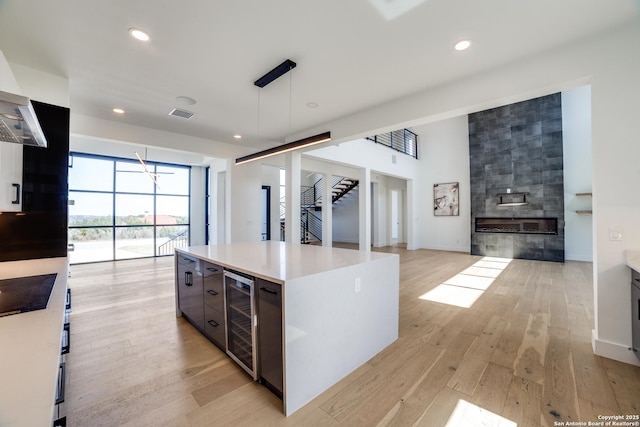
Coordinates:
415	402
591	379
467	377
493	387
507	348
523	402
560	397
134	363
624	380
530	360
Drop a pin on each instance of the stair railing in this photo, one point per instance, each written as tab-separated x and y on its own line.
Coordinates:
310	201
179	240
402	140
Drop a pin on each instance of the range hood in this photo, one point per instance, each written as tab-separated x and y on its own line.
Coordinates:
18	122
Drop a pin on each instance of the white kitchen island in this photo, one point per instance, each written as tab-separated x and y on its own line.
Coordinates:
339	307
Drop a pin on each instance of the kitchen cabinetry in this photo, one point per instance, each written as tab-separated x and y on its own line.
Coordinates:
635	311
10	177
270	334
190	288
291	311
214	304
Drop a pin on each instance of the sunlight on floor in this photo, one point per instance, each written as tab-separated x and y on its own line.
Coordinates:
467	414
463	289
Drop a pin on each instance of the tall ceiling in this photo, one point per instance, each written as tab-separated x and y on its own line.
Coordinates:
351	54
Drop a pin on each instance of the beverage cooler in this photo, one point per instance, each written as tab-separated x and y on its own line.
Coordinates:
241	320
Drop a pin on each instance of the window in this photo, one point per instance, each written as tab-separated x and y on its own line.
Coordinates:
116	211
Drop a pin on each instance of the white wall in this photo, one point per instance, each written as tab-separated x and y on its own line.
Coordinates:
41	86
444	157
244	183
576	142
346	218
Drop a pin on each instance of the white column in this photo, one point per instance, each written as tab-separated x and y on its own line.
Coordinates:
364	209
292	204
327	211
411	216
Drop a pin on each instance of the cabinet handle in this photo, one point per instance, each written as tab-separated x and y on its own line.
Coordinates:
188	278
212	292
17	199
213	270
213	323
66	348
269	291
61	381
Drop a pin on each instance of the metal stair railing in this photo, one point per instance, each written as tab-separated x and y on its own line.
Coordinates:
177	241
402	140
310	201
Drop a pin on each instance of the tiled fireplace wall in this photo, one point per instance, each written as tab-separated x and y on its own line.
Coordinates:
518	148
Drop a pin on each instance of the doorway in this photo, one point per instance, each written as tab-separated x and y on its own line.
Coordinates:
266	213
396	217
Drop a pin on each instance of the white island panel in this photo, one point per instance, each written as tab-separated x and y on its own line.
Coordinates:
331	330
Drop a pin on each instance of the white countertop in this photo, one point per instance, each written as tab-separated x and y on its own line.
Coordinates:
30	344
280	261
633	260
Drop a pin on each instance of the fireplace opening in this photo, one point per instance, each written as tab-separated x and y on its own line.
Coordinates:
517	225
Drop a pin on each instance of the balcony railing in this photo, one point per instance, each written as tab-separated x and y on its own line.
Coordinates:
402	140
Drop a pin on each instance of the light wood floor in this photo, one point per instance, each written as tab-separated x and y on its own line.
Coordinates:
522	351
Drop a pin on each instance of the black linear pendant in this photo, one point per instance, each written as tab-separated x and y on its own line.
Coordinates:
278	71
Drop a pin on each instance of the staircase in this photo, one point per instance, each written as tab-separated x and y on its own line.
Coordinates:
311	202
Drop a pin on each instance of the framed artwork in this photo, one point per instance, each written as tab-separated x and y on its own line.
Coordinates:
445	199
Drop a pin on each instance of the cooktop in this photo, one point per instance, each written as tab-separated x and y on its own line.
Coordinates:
22	294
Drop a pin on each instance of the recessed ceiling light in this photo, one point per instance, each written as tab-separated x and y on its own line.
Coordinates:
236	136
312	104
462	45
185	100
118	110
139	34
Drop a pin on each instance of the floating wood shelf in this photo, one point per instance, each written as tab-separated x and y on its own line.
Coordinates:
584	194
584	212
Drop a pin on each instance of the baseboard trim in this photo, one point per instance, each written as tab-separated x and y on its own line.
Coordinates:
619	352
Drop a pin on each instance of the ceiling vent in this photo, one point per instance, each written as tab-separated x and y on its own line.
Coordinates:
181	113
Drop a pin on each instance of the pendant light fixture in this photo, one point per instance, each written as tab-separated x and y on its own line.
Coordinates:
280	70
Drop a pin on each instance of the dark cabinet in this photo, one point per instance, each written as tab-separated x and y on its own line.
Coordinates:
190	288
214	328
635	311
270	334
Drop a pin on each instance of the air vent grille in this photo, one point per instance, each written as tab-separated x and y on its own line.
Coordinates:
181	113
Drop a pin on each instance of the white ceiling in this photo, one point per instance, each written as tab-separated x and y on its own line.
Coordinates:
351	54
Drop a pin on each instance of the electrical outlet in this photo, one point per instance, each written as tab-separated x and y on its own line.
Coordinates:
357	285
615	233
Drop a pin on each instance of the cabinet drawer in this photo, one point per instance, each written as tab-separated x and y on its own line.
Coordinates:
186	260
213	277
635	277
213	295
214	326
